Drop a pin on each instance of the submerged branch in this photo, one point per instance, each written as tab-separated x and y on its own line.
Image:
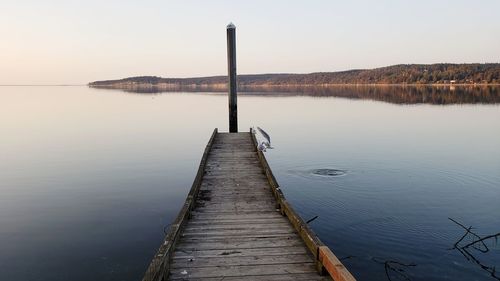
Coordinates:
464	249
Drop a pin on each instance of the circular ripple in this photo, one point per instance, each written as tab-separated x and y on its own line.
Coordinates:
328	172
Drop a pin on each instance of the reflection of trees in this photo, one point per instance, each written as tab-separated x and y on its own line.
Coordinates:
398	94
477	245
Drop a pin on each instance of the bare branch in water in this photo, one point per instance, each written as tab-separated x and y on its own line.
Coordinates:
468	231
478	243
310	220
482	241
394	267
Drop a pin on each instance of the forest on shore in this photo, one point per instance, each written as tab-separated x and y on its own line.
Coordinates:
443	73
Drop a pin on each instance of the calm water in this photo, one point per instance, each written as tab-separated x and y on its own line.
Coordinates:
89	178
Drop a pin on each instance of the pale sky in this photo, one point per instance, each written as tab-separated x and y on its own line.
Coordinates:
75	42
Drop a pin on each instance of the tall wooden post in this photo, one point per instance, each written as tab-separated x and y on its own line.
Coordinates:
231	68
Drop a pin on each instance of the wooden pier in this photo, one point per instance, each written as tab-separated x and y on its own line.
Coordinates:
237	225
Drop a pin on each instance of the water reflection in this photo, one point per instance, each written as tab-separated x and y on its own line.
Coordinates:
398	94
92	177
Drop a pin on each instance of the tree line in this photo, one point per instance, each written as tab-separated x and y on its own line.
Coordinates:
397	74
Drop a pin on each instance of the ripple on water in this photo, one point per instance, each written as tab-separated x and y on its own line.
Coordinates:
316	173
327	172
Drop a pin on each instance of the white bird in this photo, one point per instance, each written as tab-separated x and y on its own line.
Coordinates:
264	144
262	147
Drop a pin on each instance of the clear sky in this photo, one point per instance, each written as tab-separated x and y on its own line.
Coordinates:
54	42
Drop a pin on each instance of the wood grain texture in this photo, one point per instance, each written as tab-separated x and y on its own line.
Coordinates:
237	225
235	231
243	270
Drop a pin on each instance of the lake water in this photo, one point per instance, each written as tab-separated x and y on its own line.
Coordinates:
89	178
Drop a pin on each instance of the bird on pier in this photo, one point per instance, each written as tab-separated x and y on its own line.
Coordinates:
263	144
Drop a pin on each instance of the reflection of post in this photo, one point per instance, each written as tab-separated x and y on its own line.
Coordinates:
231	67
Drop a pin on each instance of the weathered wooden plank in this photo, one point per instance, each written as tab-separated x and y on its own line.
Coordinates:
238	149
248	182
227	192
230	210
200	216
258	233
251	235
231	199
237	212
240	195
234	227
265	220
237	190
235	166
232	207
234	271
238	243
231	178
229	160
248	176
217	204
333	265
228	136
234	261
235	182
226	228
222	138
229	157
241	171
295	250
235	185
223	147
241	205
238	232
243	175
239	201
270	277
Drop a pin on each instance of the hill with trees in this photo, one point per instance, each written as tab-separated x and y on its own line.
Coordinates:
397	74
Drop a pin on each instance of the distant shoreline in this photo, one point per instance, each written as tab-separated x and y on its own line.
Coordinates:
164	87
287	85
292	85
395	75
42	85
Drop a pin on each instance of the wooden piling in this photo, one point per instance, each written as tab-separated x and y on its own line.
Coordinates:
231	67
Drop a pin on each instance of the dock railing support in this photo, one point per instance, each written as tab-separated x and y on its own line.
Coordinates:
231	68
